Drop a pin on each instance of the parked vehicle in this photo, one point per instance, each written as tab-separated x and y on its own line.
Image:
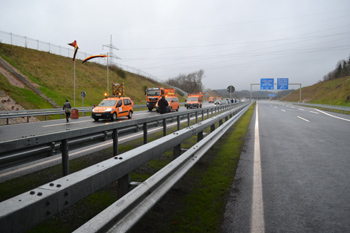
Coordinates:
173	102
211	99
194	100
155	93
115	106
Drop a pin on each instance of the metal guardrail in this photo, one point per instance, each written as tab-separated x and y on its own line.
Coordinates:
45	112
13	148
26	210
331	108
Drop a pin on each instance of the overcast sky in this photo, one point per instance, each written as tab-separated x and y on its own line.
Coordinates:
235	42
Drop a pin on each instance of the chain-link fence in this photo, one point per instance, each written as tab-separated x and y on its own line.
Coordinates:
26	42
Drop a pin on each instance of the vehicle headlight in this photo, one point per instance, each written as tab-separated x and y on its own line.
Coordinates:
108	110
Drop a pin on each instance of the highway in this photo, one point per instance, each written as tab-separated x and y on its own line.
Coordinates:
293	174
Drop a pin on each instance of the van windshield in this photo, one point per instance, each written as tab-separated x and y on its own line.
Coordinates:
107	103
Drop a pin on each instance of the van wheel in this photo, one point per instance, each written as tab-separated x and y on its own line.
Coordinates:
95	119
130	114
114	117
177	109
150	109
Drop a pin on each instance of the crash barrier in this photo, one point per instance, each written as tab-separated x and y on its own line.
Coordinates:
26	210
24	148
46	112
330	108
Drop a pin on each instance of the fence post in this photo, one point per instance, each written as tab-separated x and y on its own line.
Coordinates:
115	142
145	136
164	127
199	136
123	185
65	160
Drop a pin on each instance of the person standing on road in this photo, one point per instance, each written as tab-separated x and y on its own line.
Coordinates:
162	103
67	107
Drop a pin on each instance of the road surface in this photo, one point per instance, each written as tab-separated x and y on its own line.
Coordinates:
293	175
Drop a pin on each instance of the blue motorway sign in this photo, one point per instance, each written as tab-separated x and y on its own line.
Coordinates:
282	84
267	84
271	95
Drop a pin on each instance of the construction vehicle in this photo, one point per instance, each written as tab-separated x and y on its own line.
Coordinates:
211	99
114	106
194	100
155	93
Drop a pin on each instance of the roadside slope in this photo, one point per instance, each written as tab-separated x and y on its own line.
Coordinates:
332	92
53	75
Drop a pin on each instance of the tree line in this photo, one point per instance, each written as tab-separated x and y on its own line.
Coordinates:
341	70
190	83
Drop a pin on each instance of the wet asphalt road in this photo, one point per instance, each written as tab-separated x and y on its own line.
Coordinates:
305	170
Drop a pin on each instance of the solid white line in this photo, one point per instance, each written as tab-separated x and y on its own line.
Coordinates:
303	119
332	115
257	220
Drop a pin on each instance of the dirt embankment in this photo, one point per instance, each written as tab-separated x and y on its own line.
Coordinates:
7	103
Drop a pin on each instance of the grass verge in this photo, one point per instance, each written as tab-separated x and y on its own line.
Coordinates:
198	204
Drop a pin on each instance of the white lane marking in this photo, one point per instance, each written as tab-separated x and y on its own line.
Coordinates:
283	110
65	123
292	107
314	112
301	109
303	119
275	107
257	222
340	118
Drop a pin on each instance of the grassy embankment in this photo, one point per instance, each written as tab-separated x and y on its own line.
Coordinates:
332	92
54	76
197	206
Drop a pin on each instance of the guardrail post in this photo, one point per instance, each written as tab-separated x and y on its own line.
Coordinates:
115	142
176	151
220	122
212	128
199	136
202	115
123	185
207	113
105	138
164	127
196	117
28	119
178	122
145	136
65	160
188	119
7	121
45	118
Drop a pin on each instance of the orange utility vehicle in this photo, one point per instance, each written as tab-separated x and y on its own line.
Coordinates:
155	93
173	102
211	99
114	106
194	100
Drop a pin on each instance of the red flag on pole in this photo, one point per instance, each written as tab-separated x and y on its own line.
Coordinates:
75	45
